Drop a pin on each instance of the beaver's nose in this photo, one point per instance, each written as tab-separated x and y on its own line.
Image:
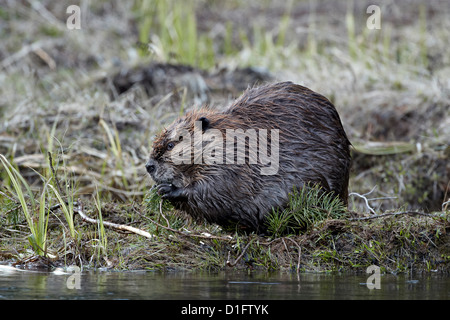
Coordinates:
150	166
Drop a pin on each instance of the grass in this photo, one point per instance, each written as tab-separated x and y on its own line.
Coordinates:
307	207
389	85
36	223
168	29
36	208
103	240
116	149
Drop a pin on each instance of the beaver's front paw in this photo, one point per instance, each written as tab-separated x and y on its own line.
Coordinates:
170	192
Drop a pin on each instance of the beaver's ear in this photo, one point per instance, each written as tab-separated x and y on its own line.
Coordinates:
205	123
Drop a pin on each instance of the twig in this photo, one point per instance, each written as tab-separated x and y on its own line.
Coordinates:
18	205
285	247
113	225
299	253
78	208
232	264
161	213
445	204
46	58
363	196
55	176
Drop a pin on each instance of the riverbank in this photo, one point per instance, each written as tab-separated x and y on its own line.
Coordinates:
397	242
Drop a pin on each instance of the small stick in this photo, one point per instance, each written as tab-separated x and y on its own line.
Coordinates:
232	264
113	225
299	253
285	247
84	217
161	213
365	199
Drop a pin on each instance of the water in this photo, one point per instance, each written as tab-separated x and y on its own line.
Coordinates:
19	284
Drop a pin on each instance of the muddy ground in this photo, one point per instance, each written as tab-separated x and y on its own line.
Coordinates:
95	97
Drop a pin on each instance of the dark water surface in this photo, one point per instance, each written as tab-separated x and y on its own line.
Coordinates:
20	284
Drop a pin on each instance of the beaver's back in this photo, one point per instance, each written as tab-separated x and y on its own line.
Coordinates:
313	143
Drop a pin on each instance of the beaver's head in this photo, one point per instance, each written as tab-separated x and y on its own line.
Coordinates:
173	158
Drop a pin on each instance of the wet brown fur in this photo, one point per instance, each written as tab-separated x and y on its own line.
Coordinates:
313	148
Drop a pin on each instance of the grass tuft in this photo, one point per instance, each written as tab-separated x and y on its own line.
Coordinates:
36	224
307	207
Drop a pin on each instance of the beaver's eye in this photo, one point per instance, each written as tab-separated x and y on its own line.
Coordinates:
170	146
180	138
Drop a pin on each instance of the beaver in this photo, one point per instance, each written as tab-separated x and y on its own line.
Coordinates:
301	128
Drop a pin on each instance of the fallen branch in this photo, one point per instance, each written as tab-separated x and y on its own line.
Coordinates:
232	264
78	208
363	196
113	225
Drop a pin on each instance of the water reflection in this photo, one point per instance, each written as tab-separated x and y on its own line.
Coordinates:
223	285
